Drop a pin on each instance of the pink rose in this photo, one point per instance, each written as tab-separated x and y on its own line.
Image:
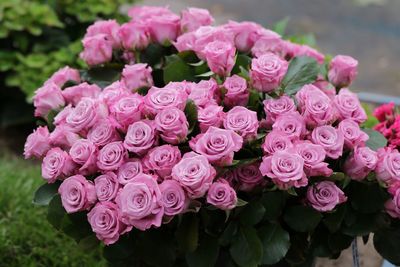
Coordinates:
134	35
392	206
248	177
245	34
127	110
353	135
267	72
47	98
164	28
96	49
384	112
129	170
184	86
140	137
59	119
137	76
64	75
106	186
330	139
158	99
86	114
74	94
308	51
292	124
220	57
77	194
192	18
203	93
144	13
109	28
161	159
208	34
268	42
325	196
362	161
237	93
103	133
113	92
342	70
84	153
349	107
276	140
388	167
211	115
185	42
63	137
172	125
140	203
194	173
274	107
111	156
242	121
313	156
173	198
217	145
37	144
222	195
57	164
104	220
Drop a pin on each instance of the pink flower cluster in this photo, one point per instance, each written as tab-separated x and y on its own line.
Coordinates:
389	123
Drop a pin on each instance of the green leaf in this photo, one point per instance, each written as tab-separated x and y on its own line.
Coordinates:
386	242
56	212
273	202
376	139
191	114
242	61
206	253
280	26
252	213
89	243
155	248
177	70
334	219
301	71
187	233
45	193
246	249
367	197
121	250
363	224
302	218
241	203
229	233
276	243
102	76
206	74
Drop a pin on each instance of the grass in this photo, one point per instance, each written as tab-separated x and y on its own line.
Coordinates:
26	238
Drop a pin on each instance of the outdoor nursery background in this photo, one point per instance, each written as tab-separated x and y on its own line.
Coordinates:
38	37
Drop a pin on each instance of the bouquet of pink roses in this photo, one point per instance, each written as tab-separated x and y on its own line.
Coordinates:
185	144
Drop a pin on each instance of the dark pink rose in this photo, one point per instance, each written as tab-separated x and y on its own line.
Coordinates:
222	195
325	196
77	194
385	112
111	156
37	144
248	177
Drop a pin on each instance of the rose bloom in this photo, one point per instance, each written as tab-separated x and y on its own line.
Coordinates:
362	161
137	76
185	42
245	33
325	196
192	18
194	173
63	137
57	164
237	93
96	49
211	115
102	133
161	159
203	93
104	220
276	140
164	28
248	177
127	110
220	57
74	94
184	86
64	75
111	156
140	137
274	107
173	198
129	170
172	125
109	28
222	195
140	203
134	35
330	139
292	124
158	99
349	107
106	186
77	194
268	42
353	135
84	153
47	98
208	34
144	13
113	92
342	70
385	112
217	145
392	206
267	72
313	156
388	167
37	144
242	121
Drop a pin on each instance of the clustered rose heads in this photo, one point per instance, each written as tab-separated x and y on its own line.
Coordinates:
132	160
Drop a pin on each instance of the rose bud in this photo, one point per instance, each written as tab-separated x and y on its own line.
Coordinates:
136	76
96	50
109	28
37	144
220	57
47	98
342	71
362	161
134	35
222	195
192	18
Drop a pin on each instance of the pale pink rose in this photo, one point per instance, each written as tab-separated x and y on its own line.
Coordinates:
349	107
140	137
129	170
217	145
192	18
113	92
267	72
102	133
292	124
109	28
134	35
174	198
392	206
144	13
127	110
330	139
86	114
164	28
388	167
57	164
158	99
111	156
64	75
313	156
77	194
285	169
96	49
325	196
208	34
47	98
222	195
276	140
203	93
243	121
162	159
185	42
245	34
211	115
268	42
248	177
362	161
274	107
194	173
137	76
353	135
37	144
342	70
172	125
74	94
84	153
106	186
104	220
237	93
220	57
63	137
140	203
